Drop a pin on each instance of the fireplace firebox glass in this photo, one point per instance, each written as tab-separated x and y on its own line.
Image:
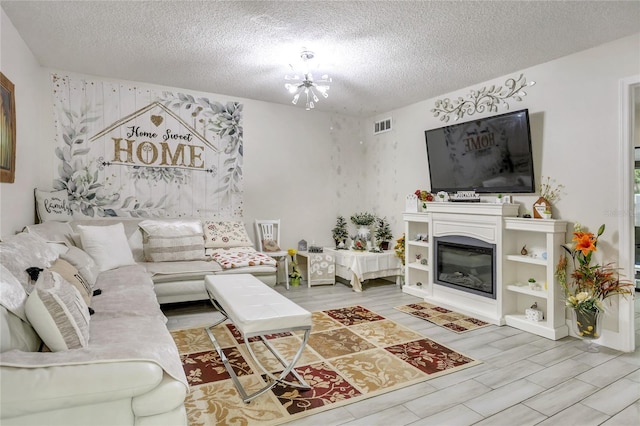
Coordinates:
466	264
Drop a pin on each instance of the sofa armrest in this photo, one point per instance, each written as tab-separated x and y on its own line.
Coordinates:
167	396
32	390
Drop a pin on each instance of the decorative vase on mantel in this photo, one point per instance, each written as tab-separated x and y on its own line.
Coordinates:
540	206
587	325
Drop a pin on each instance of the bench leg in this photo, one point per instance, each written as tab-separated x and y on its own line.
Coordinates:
289	368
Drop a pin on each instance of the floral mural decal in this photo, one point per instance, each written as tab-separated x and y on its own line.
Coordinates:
129	151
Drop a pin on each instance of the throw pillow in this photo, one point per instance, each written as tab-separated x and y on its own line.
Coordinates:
22	251
83	263
73	276
270	246
53	205
12	294
172	240
52	232
56	234
171	228
225	234
57	312
170	249
107	245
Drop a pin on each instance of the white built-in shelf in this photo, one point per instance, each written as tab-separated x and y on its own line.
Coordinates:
527	259
417	243
418	265
524	289
534	225
541	328
547	235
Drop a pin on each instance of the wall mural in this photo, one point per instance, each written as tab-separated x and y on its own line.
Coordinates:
124	150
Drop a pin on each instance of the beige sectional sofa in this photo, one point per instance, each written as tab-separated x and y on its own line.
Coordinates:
120	365
175	281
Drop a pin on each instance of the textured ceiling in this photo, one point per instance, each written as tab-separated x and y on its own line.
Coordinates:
381	55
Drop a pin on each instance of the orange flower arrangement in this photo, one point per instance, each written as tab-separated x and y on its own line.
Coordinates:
589	284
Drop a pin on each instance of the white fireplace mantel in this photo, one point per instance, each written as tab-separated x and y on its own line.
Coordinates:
495	224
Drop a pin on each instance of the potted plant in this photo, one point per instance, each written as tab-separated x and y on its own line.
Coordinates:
340	233
399	248
294	276
532	283
423	198
383	233
586	286
363	221
549	192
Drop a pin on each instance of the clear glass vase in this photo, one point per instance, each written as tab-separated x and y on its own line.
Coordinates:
587	325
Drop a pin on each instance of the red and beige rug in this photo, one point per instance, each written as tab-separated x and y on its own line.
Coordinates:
352	354
443	317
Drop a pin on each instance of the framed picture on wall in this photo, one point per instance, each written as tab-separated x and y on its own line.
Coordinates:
7	131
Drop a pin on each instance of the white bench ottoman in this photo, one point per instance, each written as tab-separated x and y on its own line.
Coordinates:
257	310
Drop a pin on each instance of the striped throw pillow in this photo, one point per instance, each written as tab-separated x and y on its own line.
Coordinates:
57	312
159	248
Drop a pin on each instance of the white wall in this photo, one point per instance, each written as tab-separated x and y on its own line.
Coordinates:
33	163
298	167
574	125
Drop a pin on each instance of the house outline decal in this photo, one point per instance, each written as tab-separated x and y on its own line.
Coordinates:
146	109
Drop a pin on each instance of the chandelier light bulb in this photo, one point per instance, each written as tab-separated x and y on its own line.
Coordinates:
305	83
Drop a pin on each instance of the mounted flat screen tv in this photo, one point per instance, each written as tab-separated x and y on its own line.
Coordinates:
488	155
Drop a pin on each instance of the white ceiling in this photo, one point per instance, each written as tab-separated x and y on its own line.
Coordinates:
381	55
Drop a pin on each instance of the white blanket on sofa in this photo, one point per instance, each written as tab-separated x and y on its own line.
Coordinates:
128	325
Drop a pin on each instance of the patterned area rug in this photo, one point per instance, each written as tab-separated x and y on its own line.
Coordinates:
352	354
443	317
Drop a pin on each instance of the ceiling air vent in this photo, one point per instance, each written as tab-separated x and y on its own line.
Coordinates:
382	126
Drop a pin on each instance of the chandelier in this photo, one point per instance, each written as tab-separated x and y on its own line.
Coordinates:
305	84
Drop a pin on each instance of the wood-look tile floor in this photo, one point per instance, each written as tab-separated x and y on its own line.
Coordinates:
524	379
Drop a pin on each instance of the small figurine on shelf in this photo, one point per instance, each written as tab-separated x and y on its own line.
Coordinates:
359	243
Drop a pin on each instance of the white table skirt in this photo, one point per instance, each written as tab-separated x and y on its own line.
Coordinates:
358	266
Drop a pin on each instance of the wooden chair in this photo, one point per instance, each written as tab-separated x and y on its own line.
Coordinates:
268	230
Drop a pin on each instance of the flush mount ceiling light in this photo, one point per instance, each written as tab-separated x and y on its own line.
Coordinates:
299	84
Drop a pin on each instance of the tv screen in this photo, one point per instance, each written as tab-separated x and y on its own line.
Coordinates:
488	155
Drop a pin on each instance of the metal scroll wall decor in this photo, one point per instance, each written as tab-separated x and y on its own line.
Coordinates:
485	99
